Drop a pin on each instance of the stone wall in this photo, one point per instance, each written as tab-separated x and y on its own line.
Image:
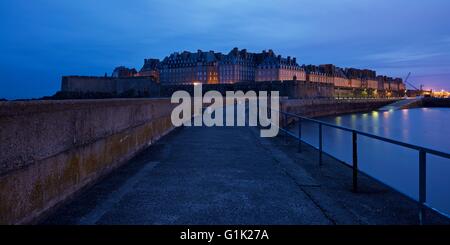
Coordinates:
329	107
342	92
292	89
116	86
112	85
51	149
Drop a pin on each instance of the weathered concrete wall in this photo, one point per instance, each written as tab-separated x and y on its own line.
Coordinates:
51	149
328	107
292	89
112	85
84	87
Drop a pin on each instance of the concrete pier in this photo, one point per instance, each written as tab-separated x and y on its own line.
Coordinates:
68	162
225	175
329	107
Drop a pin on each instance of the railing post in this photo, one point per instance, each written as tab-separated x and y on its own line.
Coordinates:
299	135
422	184
355	161
285	128
320	144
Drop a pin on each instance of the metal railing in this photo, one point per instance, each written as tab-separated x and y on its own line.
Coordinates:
421	150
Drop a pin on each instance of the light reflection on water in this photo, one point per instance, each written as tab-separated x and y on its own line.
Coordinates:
394	165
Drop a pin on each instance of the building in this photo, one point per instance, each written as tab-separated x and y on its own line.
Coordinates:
383	83
317	74
189	68
150	69
236	66
335	75
276	68
397	85
364	79
209	67
122	72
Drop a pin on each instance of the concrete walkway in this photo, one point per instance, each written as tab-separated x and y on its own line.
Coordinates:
226	175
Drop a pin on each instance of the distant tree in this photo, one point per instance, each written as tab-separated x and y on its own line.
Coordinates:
364	93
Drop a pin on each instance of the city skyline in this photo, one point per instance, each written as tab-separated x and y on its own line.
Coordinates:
240	65
92	38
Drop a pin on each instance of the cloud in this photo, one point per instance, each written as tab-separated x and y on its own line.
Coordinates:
402	56
48	38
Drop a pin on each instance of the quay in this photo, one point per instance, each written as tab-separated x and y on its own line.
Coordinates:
225	176
122	162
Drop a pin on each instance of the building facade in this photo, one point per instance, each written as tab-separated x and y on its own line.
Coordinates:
209	67
150	69
276	68
236	66
189	68
318	74
122	72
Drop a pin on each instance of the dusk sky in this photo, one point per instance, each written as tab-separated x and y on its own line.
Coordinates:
43	40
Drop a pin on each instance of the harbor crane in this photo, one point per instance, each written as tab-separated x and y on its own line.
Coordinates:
412	85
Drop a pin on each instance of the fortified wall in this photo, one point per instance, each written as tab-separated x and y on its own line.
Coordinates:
77	87
108	85
330	107
291	89
142	85
52	149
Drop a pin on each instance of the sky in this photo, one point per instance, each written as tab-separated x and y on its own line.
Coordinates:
42	40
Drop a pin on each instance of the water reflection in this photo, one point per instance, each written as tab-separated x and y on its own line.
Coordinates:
394	165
